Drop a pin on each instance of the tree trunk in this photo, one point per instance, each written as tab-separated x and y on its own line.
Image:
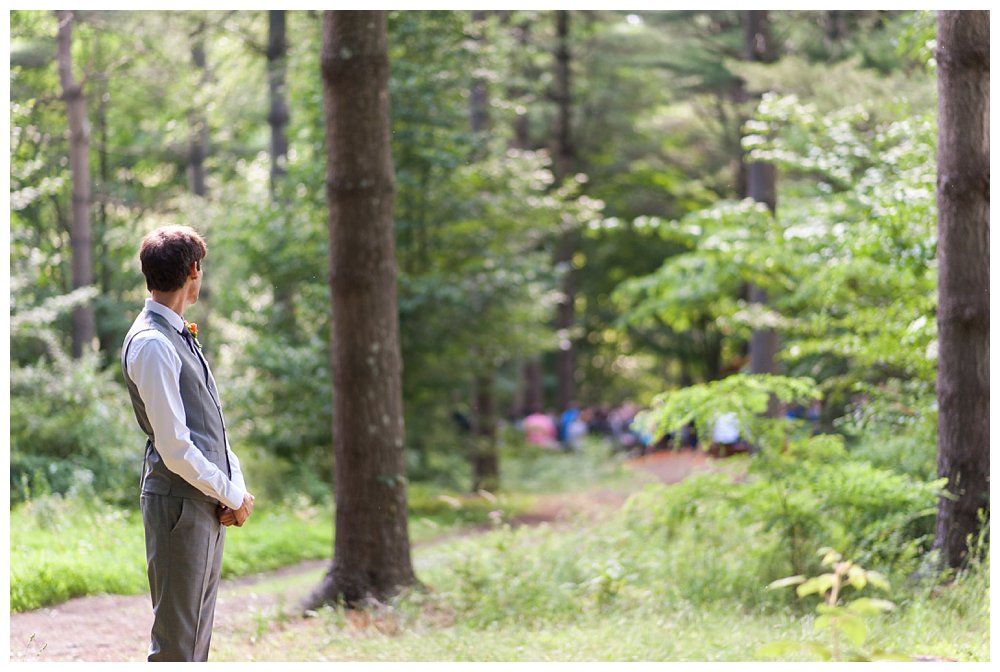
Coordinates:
522	130
963	197
371	557
761	187
198	139
564	159
479	107
533	395
277	51
109	339
834	26
277	118
197	153
485	460
534	398
84	323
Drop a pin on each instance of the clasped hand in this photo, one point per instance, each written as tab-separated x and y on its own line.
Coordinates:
237	517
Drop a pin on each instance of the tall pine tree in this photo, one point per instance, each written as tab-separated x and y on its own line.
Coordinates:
371	556
963	315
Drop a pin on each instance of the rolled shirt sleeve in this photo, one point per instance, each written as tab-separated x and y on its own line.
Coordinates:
155	368
237	472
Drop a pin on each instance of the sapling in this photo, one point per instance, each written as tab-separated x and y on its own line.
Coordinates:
844	621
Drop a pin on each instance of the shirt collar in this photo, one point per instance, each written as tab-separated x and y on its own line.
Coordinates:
175	320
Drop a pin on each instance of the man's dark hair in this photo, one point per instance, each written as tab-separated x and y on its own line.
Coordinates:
166	255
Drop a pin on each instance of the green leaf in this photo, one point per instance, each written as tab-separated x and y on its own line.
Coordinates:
878	580
787	581
818	584
870	606
823	622
857	577
829	609
830	556
854	629
778	649
819	650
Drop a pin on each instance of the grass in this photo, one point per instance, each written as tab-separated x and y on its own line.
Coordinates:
62	549
453	622
673	576
65	548
713	632
615	590
718	633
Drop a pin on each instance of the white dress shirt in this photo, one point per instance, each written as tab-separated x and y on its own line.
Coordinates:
155	368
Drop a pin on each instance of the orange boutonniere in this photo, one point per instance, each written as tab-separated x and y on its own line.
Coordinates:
192	328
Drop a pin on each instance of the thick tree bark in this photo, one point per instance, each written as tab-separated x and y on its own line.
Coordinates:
277	51
963	196
563	163
761	187
84	323
372	547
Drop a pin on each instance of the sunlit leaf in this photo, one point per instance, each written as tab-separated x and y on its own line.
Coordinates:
853	628
820	651
870	606
785	582
818	584
778	649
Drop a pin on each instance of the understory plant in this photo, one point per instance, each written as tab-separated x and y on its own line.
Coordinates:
844	621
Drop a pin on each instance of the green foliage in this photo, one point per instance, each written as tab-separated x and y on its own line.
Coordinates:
848	262
845	621
790	506
70	433
800	490
663	258
656	126
746	396
652	555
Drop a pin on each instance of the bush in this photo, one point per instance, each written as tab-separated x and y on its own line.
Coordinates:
811	495
72	431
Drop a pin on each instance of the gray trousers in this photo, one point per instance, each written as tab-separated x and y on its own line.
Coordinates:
184	541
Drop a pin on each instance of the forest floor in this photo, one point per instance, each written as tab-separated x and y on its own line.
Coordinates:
116	628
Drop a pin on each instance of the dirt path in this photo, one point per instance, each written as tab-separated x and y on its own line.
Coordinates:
116	628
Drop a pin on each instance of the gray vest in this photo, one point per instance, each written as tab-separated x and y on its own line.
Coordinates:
201	408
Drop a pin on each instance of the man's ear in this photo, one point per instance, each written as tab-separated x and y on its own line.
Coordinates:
195	269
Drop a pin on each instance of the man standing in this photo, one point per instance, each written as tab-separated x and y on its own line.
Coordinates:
192	486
